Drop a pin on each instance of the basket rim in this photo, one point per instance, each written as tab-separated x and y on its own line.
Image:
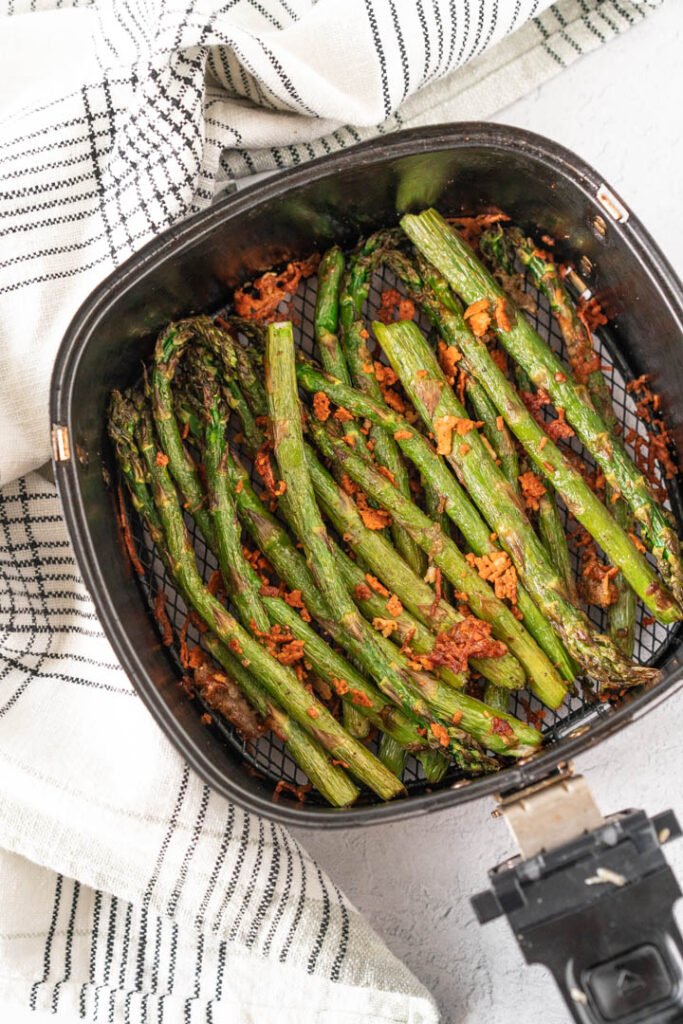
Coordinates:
96	307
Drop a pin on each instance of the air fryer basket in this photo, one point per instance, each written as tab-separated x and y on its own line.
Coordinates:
193	268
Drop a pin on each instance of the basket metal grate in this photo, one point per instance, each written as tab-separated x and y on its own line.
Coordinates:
268	757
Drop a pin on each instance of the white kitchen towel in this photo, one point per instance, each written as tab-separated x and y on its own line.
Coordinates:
163	896
128	891
177	100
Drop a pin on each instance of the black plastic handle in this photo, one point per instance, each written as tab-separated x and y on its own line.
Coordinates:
598	912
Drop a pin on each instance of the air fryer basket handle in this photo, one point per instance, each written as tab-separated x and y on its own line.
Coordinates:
597	910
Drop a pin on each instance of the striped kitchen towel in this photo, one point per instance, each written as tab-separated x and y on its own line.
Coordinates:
164	902
129	892
169	103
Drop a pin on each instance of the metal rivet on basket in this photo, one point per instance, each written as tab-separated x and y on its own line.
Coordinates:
599	226
586	266
578	283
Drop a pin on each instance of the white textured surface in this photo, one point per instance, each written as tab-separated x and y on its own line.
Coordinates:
617	109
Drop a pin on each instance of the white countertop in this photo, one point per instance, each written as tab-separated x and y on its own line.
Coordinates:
619	109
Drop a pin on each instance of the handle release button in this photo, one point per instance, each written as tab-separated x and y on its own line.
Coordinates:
629	982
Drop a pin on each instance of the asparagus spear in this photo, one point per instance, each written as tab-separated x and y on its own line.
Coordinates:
469	278
354	292
577	337
496	697
494	431
122	422
354	722
548	517
326	317
285	413
167	353
554	539
435	507
546	277
234	356
330	780
235	569
277	679
549	521
410	354
326	326
503	447
434	765
540	671
392	754
622	614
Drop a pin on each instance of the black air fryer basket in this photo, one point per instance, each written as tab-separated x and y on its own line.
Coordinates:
193	268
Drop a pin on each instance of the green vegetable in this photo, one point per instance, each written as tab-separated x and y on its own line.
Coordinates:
469	278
